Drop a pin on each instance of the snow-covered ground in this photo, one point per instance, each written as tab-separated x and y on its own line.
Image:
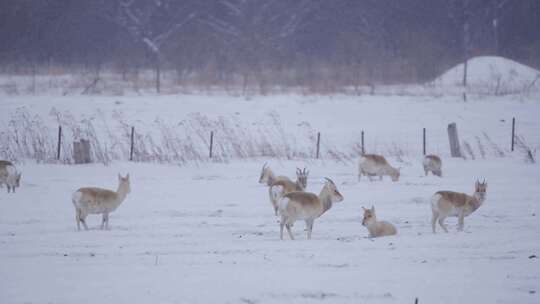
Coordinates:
207	234
204	232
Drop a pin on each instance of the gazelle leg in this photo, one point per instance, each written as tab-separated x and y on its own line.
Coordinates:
309	224
82	218
441	223
289	231
78	219
434	220
461	221
281	224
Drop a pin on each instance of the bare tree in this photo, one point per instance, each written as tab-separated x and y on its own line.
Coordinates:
257	29
153	24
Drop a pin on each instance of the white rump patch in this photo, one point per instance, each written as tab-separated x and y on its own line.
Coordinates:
76	198
282	205
277	192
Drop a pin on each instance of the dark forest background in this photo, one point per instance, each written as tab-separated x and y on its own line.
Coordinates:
315	43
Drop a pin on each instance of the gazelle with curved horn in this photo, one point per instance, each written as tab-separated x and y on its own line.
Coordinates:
449	203
306	206
268	177
282	187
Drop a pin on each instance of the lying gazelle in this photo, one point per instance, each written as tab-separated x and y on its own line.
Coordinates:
99	201
376	228
448	203
9	175
376	165
281	187
433	164
306	206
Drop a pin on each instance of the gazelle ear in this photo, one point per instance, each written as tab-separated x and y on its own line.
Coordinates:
364	208
127	176
119	176
372	208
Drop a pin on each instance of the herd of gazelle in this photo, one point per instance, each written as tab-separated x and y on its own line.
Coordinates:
289	199
291	203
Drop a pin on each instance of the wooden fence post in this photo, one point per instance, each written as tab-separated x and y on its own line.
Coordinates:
132	143
59	142
513	132
318	143
424	141
455	150
81	152
211	142
363	150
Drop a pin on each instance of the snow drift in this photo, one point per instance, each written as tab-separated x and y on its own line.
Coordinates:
492	75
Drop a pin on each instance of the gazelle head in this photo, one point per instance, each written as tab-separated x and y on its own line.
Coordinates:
480	189
332	190
394	174
266	175
369	216
301	177
123	183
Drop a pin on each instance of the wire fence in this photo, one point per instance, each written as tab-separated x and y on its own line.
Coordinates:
201	139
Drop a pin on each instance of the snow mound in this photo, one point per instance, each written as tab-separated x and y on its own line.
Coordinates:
493	75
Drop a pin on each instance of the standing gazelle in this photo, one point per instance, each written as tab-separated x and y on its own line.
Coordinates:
306	206
432	163
281	187
99	201
448	203
9	175
372	165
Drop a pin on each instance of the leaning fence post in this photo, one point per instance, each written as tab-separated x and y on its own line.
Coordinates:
132	143
424	141
455	150
318	143
59	142
211	142
363	150
513	132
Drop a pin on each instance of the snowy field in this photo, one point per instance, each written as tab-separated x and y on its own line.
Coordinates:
208	235
205	232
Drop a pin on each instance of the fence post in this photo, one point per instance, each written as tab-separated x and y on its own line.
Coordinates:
513	132
455	150
318	143
363	150
59	142
424	141
132	143
211	142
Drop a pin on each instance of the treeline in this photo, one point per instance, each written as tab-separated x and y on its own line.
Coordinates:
262	43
